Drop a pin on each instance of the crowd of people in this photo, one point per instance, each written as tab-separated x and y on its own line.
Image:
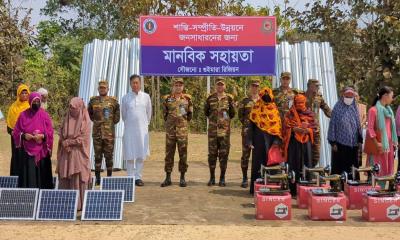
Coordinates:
283	118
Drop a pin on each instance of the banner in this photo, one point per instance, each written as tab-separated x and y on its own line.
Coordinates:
196	46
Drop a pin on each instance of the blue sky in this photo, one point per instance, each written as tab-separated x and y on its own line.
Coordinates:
36	5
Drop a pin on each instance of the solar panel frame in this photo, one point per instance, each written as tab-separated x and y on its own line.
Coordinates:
56	182
129	197
8	181
84	216
33	214
39	207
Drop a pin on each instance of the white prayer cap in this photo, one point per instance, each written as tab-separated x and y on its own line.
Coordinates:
42	91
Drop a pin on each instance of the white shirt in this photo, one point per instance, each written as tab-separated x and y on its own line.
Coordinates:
136	114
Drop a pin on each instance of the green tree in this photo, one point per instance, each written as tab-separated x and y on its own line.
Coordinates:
14	37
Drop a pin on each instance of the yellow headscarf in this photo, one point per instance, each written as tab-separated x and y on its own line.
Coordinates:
17	107
266	115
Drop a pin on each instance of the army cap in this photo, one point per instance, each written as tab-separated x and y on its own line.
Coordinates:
313	81
103	83
286	74
178	80
255	82
220	80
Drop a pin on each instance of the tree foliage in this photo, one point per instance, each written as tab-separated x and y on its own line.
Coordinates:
364	34
14	37
365	38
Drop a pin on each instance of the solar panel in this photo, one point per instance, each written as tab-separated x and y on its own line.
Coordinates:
103	205
120	183
57	205
55	182
18	203
8	181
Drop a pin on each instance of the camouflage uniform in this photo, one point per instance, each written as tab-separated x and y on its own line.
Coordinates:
105	113
284	99
177	114
219	113
243	113
315	103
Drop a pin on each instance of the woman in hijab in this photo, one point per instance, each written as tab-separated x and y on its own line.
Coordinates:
381	132
73	166
345	133
264	131
298	133
20	105
33	136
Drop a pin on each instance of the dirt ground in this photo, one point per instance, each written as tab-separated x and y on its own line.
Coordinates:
194	212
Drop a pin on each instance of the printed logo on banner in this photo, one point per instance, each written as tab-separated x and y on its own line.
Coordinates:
393	212
336	211
281	210
149	26
268	26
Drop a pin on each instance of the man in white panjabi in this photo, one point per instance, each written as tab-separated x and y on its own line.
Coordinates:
136	114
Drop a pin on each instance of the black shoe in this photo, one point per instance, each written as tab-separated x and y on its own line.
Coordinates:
211	182
97	173
222	182
109	172
167	181
222	179
139	183
182	181
244	184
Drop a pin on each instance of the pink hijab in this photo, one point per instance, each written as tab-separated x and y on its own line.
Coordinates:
74	144
34	122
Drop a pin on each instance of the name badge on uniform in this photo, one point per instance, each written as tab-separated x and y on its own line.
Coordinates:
182	110
106	113
225	115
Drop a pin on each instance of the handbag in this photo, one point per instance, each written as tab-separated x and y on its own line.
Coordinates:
274	156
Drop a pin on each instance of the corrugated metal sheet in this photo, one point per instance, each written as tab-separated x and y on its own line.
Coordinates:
118	59
114	61
307	60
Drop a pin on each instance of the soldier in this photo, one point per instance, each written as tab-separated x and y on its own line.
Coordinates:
315	101
244	109
104	113
284	95
177	111
219	110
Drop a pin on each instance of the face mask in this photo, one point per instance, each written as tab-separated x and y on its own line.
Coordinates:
266	98
348	101
35	106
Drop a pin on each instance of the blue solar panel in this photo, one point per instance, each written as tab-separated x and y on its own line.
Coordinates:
55	182
18	203
120	183
103	205
8	181
57	205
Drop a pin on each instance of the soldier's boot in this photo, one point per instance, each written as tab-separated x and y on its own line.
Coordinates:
244	184
182	181
97	173
212	177
222	178
109	172
167	181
